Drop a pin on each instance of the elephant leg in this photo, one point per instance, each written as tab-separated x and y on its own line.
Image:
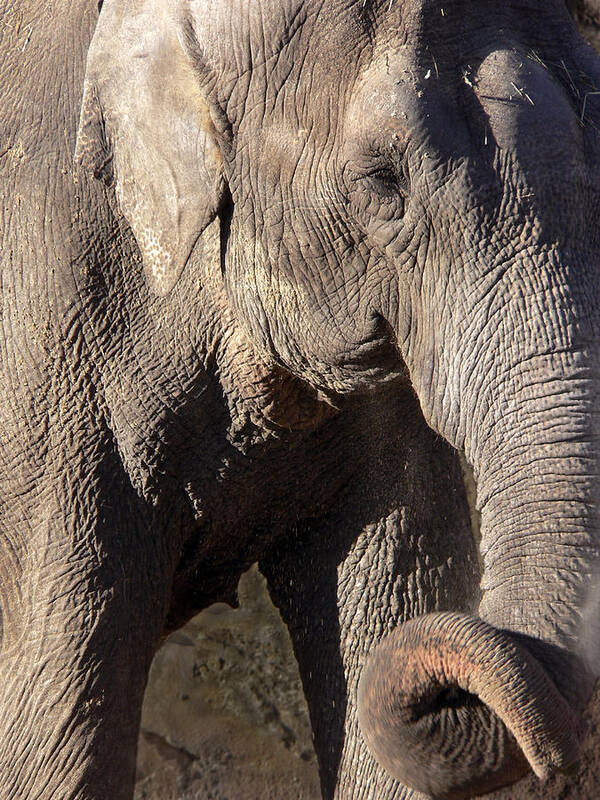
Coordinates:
84	596
399	544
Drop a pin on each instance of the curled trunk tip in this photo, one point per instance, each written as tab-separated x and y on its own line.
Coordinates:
454	707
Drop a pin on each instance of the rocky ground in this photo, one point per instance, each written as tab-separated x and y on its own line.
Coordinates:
224	716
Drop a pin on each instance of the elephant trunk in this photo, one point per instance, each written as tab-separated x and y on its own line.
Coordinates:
450	672
537	476
455	706
502	349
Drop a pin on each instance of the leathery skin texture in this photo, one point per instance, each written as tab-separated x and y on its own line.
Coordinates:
267	268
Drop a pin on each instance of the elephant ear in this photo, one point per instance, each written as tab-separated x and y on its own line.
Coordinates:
145	127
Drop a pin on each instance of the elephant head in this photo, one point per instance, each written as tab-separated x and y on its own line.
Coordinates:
403	188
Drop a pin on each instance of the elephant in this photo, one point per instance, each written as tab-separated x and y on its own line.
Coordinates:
277	278
587	15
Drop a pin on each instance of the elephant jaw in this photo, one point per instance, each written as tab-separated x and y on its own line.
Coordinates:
453	707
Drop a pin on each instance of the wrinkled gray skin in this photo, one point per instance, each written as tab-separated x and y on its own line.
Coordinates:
334	241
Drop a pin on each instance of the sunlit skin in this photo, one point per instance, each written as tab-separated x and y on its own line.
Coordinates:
268	268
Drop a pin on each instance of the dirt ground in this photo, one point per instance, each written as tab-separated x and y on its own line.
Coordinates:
224	715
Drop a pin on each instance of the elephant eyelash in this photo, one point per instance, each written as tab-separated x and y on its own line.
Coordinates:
380	174
389	182
383	174
376	167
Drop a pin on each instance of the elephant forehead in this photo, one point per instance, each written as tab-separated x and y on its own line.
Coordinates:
390	89
399	99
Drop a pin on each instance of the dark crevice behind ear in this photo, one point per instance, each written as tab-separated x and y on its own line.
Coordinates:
146	127
225	217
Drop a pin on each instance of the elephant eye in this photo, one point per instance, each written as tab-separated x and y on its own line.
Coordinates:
384	181
383	174
377	189
387	188
387	179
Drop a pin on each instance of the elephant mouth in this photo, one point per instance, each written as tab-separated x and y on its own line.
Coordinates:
455	708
